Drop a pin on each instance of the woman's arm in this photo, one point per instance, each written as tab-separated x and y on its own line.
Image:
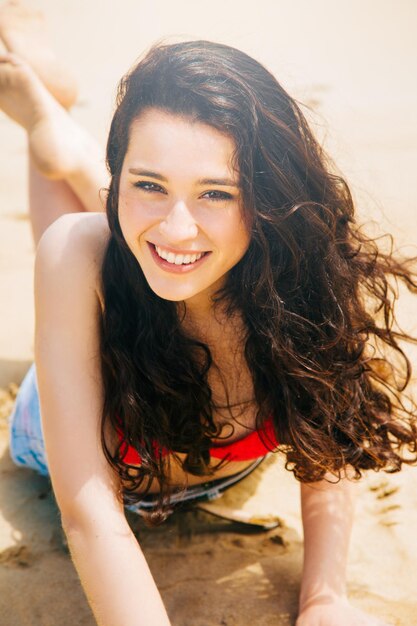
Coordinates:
113	571
110	563
327	514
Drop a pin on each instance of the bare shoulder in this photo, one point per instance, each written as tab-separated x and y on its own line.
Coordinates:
74	246
68	364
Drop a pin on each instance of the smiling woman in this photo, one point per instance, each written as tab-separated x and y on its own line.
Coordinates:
226	306
186	214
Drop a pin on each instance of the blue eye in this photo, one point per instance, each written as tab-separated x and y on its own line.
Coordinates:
217	195
148	186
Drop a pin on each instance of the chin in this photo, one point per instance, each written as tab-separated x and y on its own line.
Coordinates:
178	294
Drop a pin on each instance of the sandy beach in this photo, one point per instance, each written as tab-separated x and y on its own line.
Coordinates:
353	65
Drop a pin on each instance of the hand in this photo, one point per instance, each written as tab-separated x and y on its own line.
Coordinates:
336	613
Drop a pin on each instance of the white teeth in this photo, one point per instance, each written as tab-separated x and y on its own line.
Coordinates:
178	259
161	253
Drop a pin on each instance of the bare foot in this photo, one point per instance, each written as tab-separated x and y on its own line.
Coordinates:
59	147
23	32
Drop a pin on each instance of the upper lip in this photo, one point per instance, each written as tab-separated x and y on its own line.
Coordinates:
174	251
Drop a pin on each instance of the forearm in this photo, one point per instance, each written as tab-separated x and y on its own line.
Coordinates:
327	513
115	576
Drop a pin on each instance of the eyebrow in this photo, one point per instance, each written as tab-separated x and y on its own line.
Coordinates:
222	182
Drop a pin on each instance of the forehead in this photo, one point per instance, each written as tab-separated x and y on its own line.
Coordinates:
164	141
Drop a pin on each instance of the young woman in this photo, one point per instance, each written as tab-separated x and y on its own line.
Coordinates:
226	306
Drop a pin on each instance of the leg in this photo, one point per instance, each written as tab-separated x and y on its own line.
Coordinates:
23	31
61	152
48	200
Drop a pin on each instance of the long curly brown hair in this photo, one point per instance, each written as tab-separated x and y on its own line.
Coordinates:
316	294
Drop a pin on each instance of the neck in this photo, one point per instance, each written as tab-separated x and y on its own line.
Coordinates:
213	325
202	322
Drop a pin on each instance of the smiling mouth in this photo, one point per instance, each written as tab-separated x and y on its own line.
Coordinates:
178	259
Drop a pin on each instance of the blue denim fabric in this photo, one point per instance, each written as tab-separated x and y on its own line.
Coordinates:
27	447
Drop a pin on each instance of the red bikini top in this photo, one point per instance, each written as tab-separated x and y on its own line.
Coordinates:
249	447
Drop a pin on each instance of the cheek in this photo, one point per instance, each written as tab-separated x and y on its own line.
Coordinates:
125	218
131	218
235	238
136	216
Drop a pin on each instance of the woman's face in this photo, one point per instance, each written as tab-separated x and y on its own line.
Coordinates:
180	206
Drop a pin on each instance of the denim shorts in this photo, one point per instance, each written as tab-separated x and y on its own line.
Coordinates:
26	442
27	449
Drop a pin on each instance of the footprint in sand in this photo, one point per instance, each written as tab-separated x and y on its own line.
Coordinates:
16	556
386	510
314	99
7	398
383	489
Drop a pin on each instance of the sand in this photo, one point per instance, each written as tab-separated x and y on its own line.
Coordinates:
353	65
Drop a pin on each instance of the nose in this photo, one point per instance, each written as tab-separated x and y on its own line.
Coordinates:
179	225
